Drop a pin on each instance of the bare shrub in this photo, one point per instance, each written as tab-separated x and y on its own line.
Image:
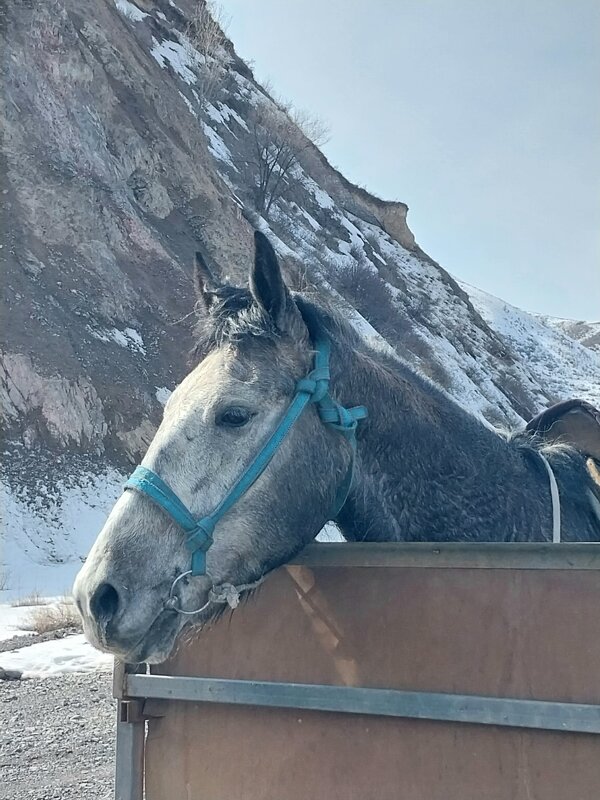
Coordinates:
300	278
32	599
53	618
369	294
278	136
437	373
495	416
206	33
421	307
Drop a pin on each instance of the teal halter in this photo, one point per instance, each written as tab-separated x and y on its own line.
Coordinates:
314	388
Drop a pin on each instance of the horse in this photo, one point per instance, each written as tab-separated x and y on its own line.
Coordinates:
575	421
260	445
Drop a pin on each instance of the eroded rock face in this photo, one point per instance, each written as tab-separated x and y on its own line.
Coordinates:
135	441
108	189
70	413
393	218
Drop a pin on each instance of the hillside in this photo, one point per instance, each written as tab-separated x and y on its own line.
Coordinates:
587	333
127	146
545	345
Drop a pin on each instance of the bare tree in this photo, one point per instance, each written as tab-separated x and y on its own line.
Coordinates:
206	33
278	137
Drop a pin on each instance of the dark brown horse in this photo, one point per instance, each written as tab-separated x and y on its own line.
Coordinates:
574	422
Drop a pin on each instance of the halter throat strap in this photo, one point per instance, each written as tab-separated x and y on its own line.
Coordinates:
313	389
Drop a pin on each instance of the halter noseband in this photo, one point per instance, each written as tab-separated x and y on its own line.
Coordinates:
314	388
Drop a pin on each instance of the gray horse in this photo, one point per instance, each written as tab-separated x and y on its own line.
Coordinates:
424	469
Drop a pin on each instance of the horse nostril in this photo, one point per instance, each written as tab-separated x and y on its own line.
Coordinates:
104	603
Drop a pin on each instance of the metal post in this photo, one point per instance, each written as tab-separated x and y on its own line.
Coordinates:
131	736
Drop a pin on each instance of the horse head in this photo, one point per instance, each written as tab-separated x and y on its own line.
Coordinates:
241	474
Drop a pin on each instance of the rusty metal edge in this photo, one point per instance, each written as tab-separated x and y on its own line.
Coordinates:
452	555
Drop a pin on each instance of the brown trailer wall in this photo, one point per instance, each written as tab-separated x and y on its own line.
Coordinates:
531	634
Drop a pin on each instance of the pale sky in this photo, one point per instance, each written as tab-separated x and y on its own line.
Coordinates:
482	115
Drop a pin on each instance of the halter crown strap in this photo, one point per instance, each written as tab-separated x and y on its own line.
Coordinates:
314	388
316	385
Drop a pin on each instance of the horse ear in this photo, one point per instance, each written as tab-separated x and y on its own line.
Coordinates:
204	283
266	281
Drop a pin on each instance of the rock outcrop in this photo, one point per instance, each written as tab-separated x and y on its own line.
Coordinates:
115	170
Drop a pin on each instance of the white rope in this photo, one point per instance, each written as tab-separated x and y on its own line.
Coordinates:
223	593
554	494
230	594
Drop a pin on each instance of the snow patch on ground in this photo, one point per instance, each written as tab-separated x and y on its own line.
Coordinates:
162	394
13	619
309	218
214	114
322	198
130	11
135	340
223	114
229	112
181	58
247	90
128	337
55	657
587	333
217	146
191	108
356	237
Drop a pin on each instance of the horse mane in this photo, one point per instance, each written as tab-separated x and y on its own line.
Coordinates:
234	318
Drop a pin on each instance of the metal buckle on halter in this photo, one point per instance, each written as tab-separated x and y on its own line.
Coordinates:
172	602
225	593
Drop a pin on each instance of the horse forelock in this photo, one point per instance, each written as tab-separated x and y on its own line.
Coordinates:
235	318
232	318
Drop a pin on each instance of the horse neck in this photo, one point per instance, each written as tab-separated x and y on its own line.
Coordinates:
426	469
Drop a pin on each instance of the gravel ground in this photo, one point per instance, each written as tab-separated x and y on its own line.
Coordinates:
57	738
33	638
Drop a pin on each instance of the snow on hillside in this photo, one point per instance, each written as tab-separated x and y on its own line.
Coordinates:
45	540
564	366
588	333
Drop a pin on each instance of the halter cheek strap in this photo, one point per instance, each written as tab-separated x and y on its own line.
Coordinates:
313	389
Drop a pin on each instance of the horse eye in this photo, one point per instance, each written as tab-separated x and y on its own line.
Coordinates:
234	417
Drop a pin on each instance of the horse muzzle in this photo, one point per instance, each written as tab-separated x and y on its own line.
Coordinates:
134	625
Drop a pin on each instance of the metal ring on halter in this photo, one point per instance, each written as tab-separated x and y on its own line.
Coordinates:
172	603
